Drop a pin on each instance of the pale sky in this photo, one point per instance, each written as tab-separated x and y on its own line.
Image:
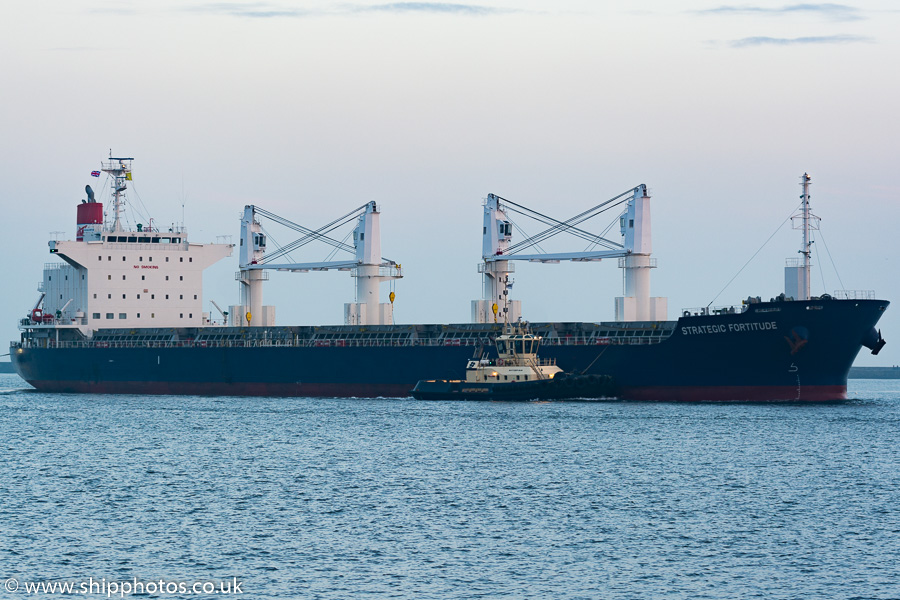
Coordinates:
312	109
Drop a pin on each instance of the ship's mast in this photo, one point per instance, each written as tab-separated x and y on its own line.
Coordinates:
120	169
805	250
797	270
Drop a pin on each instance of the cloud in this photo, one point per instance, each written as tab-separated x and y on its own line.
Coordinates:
76	49
799	41
433	7
258	10
262	10
837	12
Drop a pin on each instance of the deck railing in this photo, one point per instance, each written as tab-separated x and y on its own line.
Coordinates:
341	343
854	294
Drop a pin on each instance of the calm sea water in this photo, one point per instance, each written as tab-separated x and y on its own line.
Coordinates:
391	498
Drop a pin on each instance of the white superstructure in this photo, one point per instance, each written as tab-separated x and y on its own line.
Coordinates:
113	277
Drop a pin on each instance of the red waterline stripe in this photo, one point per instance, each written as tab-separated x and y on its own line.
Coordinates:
738	393
811	393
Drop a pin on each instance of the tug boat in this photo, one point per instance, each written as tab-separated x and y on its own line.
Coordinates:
516	374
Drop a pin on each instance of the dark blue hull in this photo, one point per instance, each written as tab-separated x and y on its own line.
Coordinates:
778	351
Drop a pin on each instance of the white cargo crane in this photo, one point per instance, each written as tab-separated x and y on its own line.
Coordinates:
221	312
366	264
633	251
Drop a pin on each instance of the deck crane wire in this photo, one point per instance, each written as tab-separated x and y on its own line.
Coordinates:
555	228
334	251
602	235
749	260
272	239
568	225
524	234
546	234
144	214
819	262
833	266
310	234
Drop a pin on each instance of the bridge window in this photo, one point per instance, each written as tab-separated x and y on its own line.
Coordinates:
95	315
110	316
123	316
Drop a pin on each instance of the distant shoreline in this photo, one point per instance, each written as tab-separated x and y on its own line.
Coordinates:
855	372
875	372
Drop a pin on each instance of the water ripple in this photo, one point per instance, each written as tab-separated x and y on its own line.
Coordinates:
394	498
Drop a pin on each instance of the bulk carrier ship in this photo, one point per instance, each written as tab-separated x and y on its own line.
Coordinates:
122	312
